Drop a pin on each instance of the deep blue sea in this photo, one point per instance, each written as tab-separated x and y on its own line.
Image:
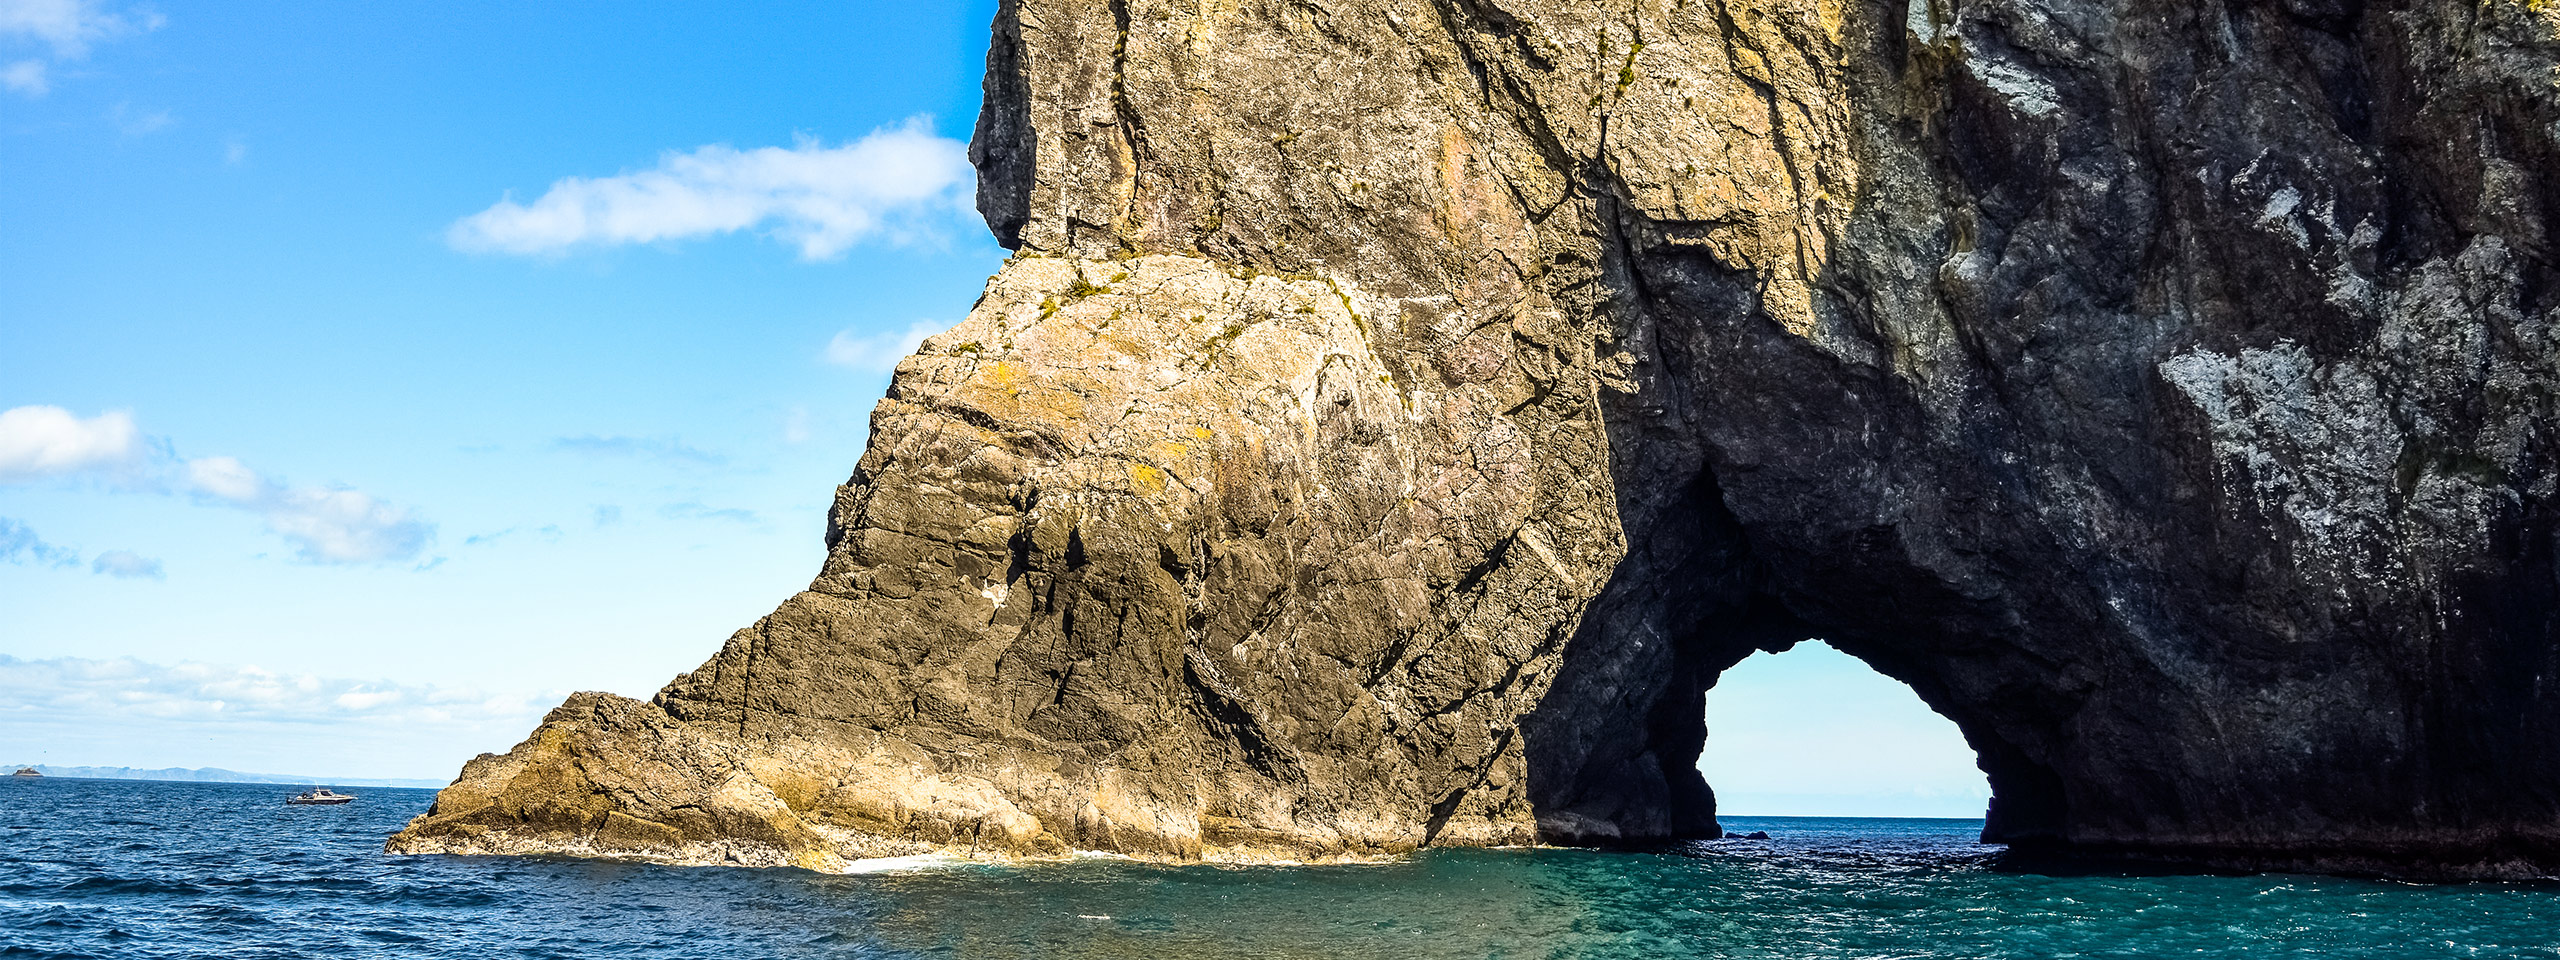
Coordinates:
105	868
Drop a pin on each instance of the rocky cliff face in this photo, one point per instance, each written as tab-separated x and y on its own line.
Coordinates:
1400	411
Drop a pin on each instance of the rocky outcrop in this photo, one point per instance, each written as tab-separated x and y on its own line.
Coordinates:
1400	411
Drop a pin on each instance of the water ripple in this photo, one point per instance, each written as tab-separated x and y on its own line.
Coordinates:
228	870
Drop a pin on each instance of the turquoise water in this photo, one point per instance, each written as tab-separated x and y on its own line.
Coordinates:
95	868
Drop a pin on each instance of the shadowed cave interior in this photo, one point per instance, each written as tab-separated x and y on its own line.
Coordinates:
1807	730
1613	749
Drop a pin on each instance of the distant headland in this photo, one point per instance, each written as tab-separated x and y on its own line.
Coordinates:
211	775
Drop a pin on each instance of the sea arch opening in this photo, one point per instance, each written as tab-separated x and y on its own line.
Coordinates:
1613	748
1811	731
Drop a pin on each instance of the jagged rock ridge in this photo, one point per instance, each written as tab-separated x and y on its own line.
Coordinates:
1400	411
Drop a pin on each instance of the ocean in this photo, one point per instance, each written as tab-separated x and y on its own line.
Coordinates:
138	869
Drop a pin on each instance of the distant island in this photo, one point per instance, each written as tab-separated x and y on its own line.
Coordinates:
210	775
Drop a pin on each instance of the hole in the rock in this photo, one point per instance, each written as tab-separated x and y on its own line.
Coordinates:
1814	732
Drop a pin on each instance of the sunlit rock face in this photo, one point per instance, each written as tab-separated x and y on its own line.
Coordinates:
1398	413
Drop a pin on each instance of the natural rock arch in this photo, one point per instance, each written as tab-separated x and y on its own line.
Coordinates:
1398	407
1612	748
1807	731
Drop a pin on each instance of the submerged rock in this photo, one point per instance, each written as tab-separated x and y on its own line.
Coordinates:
1400	412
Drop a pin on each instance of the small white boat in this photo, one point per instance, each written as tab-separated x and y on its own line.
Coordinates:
319	796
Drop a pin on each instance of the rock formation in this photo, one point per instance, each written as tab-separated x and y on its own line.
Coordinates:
1400	411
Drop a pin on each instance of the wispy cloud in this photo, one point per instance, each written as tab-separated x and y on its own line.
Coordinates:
205	691
28	77
647	448
548	533
138	121
822	199
41	441
70	26
325	524
19	544
163	713
690	510
67	29
878	352
127	565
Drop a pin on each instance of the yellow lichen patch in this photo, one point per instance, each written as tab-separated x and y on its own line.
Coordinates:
1146	477
1828	13
1061	403
2549	11
553	738
1006	376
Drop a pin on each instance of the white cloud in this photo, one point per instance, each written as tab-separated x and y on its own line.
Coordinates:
879	352
345	526
364	699
127	565
234	150
27	77
192	714
68	27
226	478
39	441
19	544
205	690
326	525
820	198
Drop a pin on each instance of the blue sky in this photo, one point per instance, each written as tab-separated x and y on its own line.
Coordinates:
372	375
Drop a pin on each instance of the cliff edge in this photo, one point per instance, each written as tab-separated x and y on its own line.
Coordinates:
1399	412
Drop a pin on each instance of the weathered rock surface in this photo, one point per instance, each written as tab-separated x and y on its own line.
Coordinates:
1402	410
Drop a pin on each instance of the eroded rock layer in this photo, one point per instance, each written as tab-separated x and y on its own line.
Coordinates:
1400	411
